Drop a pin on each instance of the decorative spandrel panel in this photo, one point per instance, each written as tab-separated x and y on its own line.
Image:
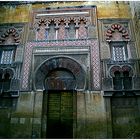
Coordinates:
41	34
82	31
61	31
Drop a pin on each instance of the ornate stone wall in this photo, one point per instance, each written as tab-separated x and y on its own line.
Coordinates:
55	31
59	32
95	61
12	38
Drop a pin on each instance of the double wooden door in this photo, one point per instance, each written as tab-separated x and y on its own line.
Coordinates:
59	114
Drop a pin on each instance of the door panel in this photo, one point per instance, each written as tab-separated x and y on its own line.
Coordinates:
60	114
67	113
54	106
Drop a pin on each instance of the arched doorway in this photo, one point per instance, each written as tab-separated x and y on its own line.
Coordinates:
60	84
58	104
60	77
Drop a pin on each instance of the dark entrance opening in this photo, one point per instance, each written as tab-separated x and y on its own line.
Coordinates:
59	113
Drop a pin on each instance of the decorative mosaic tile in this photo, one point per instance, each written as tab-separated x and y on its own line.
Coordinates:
41	34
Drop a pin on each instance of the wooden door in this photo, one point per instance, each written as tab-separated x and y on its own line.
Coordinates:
60	114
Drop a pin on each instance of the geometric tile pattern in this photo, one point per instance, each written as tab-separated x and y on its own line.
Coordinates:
95	60
82	31
26	66
119	53
61	31
41	33
95	64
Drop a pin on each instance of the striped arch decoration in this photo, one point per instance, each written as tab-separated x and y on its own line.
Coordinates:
118	27
121	69
10	33
44	22
129	69
114	69
86	21
57	21
83	18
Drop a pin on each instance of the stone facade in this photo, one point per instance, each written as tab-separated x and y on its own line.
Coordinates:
69	70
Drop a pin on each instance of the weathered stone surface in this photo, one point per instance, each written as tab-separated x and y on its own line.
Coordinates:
85	114
105	51
21	13
91	116
25	105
